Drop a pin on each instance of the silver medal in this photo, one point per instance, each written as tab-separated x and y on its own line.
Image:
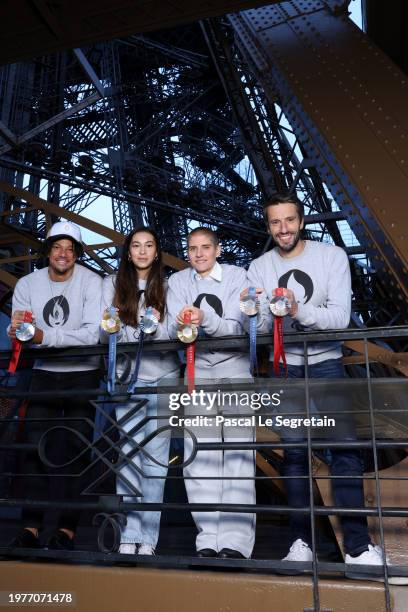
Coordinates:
149	321
249	305
280	306
25	331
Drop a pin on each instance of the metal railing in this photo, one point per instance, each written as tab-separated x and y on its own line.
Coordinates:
377	405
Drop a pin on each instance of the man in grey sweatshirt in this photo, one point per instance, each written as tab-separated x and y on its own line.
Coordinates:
64	299
315	277
210	292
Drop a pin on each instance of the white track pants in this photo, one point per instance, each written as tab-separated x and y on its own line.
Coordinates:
219	530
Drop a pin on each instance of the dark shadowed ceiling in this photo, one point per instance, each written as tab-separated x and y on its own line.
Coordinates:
29	28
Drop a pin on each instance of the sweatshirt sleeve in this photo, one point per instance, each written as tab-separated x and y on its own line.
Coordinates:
161	332
21	296
88	332
232	321
176	300
264	316
335	314
107	294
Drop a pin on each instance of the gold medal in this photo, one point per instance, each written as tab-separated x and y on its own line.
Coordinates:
110	320
187	332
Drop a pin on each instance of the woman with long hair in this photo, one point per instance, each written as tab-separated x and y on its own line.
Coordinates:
138	285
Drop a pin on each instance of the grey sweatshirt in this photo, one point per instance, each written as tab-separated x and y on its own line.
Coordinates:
67	312
154	365
320	279
219	299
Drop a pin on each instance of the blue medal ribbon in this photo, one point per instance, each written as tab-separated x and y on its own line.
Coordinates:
252	336
112	362
132	384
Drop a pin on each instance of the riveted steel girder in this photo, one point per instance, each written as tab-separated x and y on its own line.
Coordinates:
347	103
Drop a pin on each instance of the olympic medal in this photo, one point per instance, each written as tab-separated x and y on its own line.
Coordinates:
280	306
110	320
25	331
149	321
187	332
249	305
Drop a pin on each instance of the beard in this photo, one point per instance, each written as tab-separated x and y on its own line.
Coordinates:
288	247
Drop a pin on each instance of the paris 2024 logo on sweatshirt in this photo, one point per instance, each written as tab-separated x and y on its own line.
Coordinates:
207	301
56	311
302	286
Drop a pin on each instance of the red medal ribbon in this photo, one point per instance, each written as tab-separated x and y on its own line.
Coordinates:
190	356
17	345
278	346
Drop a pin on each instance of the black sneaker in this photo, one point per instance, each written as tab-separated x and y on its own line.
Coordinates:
230	553
206	552
60	541
25	539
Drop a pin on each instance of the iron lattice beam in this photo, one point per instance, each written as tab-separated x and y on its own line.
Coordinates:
355	132
173	142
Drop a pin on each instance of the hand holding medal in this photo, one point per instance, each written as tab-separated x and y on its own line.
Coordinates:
249	305
187	333
25	331
111	325
149	322
110	320
280	306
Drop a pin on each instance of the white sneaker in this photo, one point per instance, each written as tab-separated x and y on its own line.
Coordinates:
146	549
127	549
373	556
299	551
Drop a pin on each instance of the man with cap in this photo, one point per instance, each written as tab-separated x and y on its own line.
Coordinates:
64	300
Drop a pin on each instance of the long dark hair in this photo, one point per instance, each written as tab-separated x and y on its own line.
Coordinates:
127	292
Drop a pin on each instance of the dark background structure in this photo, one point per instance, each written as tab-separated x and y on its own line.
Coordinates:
195	113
